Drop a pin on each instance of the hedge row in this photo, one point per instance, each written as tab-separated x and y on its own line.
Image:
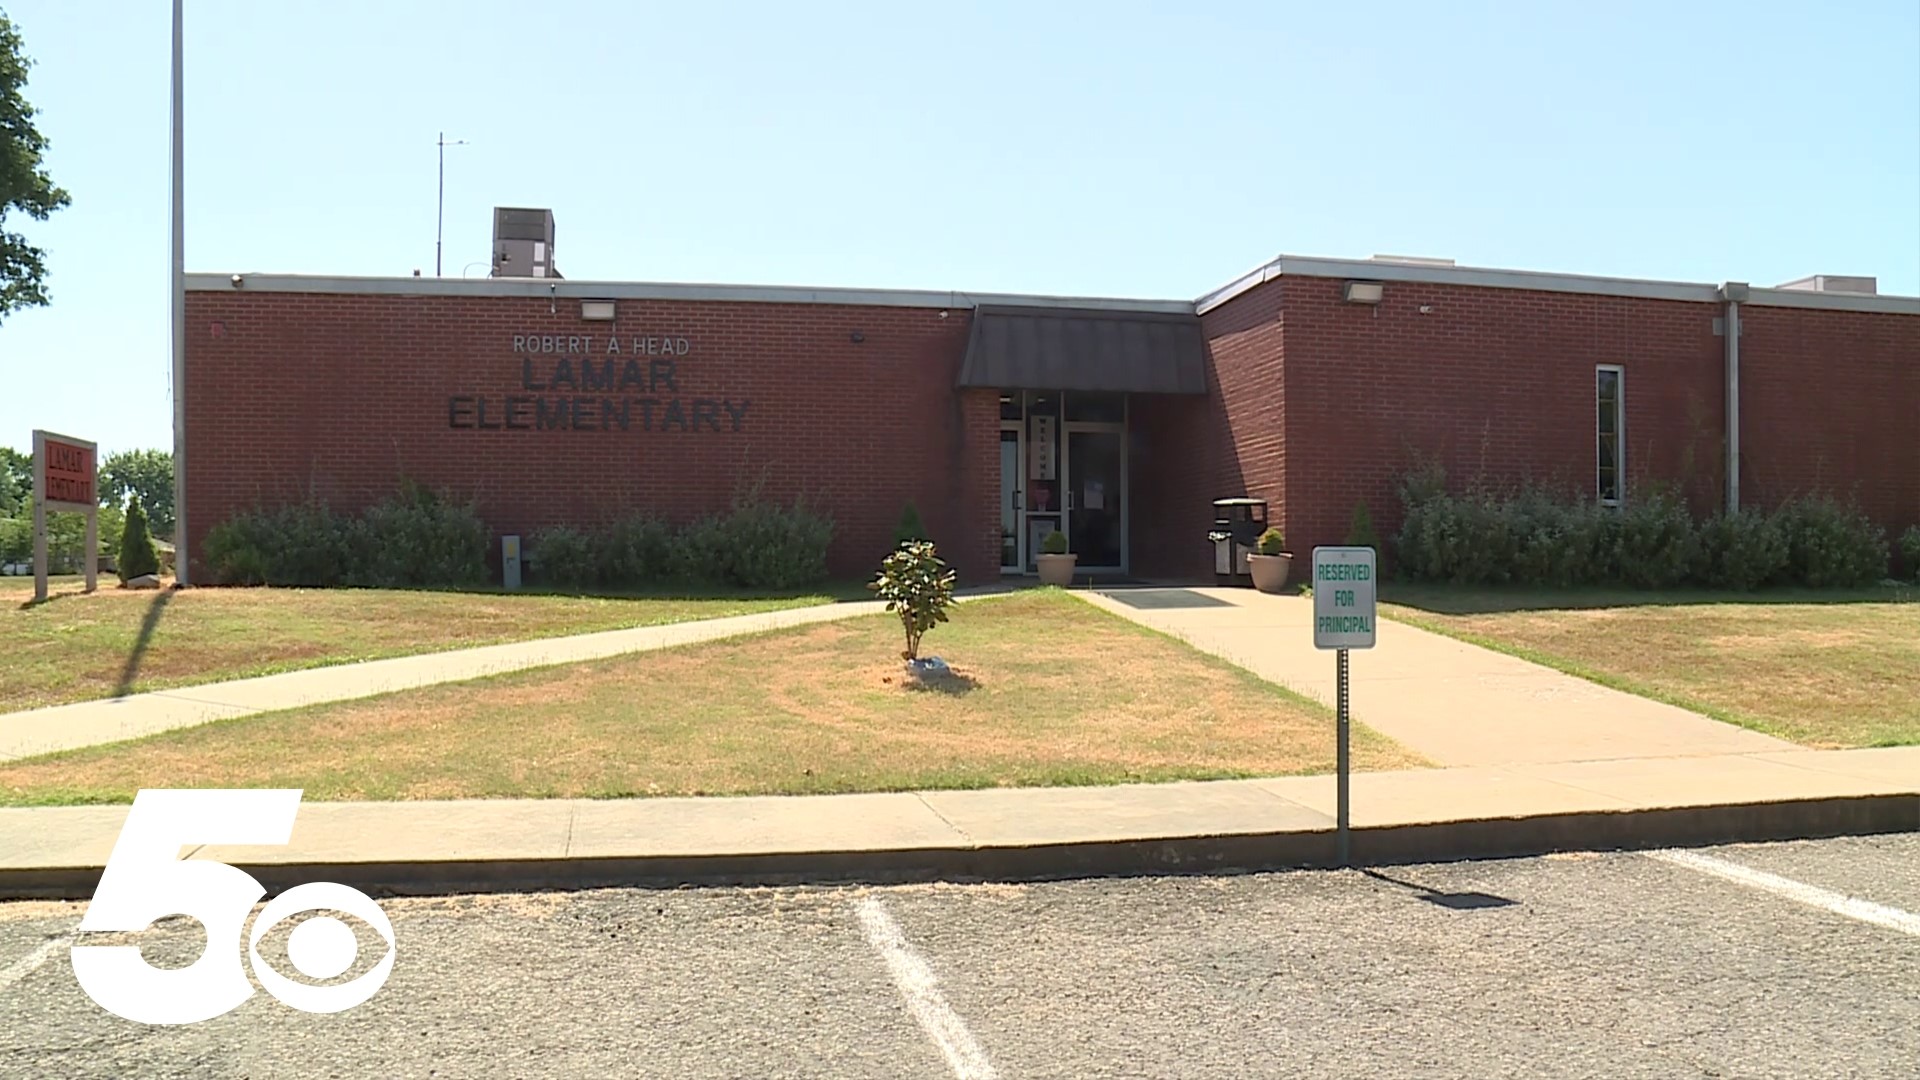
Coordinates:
423	539
755	545
1541	537
417	539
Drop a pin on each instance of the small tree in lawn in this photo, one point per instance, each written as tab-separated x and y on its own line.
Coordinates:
919	586
137	554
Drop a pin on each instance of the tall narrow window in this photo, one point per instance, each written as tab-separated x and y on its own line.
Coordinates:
1610	425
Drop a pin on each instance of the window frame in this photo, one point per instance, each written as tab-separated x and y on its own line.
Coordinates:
1619	498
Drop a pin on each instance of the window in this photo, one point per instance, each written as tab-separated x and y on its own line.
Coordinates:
1610	423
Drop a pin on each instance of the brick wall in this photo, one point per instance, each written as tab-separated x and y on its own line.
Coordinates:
1228	444
1498	384
340	396
1495	384
1830	401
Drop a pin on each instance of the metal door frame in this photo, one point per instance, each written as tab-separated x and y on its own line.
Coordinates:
1125	494
1019	429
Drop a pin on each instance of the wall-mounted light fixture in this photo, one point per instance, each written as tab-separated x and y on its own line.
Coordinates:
597	310
1365	292
238	281
858	337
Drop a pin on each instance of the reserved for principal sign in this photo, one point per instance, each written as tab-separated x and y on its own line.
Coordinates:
590	383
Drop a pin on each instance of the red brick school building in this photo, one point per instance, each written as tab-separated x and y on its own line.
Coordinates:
1311	383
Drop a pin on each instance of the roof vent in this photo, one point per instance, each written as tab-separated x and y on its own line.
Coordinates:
1835	283
1412	260
523	243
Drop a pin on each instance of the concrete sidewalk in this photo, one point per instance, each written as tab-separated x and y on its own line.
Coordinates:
86	723
1454	703
1023	834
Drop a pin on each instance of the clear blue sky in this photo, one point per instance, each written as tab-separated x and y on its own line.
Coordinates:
1118	149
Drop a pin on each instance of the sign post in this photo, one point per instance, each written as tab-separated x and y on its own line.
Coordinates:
64	476
1343	618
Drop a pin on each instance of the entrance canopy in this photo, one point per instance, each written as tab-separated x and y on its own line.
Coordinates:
1033	348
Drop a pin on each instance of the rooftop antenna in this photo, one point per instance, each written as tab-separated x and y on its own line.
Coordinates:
439	228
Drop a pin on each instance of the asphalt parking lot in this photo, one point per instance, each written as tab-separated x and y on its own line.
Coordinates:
1615	965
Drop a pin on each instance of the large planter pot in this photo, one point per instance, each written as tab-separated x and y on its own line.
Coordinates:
1269	571
1056	569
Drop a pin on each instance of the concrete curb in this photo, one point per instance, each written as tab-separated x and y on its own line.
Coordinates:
1512	837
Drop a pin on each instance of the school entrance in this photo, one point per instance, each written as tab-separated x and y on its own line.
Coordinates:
1063	467
1067	377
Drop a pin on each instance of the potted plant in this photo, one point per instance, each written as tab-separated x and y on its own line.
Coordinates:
1056	564
1270	561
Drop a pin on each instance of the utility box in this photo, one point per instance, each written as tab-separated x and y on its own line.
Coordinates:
510	561
1237	525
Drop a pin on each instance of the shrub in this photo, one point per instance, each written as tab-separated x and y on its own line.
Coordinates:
909	528
1831	545
768	546
918	586
1360	531
634	552
1272	542
420	538
1656	543
301	544
698	555
565	558
1055	543
137	554
1910	551
1741	551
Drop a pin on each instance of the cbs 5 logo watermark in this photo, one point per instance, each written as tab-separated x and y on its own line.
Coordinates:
145	880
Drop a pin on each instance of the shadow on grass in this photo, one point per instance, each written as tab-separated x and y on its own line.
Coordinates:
953	684
1481	600
147	626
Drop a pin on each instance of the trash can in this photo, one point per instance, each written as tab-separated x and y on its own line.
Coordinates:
1237	525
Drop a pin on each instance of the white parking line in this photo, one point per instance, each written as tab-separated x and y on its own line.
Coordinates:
20	969
1813	896
916	982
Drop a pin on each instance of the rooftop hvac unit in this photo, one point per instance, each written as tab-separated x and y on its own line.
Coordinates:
523	243
1835	283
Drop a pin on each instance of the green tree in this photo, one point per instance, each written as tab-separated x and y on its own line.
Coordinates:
16	482
137	554
918	586
24	183
909	528
146	475
1360	531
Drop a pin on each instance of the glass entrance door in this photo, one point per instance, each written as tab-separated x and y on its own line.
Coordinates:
1012	557
1096	466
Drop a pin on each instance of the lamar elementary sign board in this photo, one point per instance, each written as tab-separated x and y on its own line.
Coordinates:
65	477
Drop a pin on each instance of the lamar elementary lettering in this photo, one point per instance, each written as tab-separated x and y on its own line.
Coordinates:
568	389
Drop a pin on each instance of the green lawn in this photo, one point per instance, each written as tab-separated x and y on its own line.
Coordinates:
1824	669
77	646
1051	691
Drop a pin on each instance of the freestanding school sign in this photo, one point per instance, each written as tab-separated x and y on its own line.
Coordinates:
1343	618
65	477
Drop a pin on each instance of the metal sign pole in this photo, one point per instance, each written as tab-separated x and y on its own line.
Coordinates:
1341	760
1343	619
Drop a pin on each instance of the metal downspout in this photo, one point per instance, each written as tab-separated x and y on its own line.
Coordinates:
1733	292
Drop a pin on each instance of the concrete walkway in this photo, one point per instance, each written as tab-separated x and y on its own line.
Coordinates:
87	723
429	847
1455	704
